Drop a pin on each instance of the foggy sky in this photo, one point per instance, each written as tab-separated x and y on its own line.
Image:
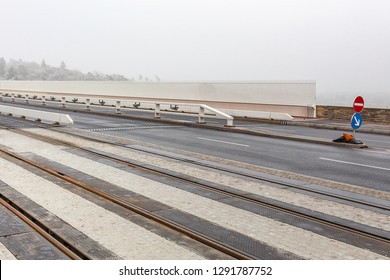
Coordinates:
342	44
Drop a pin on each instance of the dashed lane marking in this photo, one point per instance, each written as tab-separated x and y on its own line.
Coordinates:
130	128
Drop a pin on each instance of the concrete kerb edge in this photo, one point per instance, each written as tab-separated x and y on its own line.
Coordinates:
316	125
341	128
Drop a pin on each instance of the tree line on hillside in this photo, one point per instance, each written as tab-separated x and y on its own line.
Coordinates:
31	71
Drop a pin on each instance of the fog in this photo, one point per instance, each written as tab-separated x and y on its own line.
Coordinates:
343	45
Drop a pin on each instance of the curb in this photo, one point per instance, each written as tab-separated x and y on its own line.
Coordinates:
317	125
343	128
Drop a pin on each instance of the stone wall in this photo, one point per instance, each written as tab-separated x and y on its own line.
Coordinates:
345	113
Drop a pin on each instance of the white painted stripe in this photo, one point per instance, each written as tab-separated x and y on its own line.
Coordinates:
380	141
130	128
225	142
5	254
383	152
125	238
358	164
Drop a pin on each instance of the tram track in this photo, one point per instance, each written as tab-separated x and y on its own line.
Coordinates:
242	173
123	203
384	239
60	243
264	179
225	169
206	186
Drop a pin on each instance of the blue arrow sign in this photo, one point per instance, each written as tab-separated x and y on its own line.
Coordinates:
356	121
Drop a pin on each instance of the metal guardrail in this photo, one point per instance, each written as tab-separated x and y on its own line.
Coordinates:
158	107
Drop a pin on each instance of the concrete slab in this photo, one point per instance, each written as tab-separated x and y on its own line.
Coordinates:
297	241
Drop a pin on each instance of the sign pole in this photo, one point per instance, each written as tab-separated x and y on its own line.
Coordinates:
356	120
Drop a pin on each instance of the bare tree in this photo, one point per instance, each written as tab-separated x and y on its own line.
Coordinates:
43	64
11	73
21	70
3	63
63	65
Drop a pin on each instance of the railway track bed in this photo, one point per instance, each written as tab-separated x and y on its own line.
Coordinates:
234	223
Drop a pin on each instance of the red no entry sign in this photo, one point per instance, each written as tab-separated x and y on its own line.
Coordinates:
358	104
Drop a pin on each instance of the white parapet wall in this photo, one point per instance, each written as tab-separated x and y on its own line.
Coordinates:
295	98
36	115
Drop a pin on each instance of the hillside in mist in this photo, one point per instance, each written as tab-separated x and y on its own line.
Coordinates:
32	71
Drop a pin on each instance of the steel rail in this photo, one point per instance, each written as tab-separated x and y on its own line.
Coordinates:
122	202
58	242
249	199
345	228
256	177
269	180
205	186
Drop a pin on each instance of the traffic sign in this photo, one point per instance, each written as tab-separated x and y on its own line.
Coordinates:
358	104
356	121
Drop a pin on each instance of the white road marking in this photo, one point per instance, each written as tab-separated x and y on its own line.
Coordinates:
358	164
225	142
382	152
5	254
129	128
387	142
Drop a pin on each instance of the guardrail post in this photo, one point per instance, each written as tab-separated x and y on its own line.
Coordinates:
13	97
157	111
26	98
43	100
88	104
118	107
201	119
63	101
229	122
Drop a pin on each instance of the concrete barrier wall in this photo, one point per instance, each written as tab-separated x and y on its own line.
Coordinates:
47	117
345	113
297	98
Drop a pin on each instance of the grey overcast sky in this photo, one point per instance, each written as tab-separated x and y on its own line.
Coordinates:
342	44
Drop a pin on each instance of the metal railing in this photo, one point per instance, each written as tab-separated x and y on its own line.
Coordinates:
201	110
